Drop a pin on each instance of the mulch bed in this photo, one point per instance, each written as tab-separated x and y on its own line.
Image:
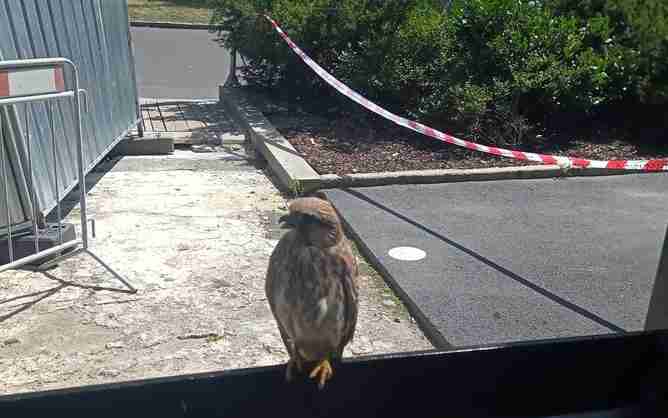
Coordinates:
342	145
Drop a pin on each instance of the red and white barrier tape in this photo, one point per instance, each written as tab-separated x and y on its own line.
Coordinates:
564	162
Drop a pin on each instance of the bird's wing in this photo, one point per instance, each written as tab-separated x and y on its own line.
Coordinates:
350	294
277	277
274	274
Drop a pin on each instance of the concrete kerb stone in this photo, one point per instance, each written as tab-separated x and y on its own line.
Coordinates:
185	138
293	172
171	101
173	25
333	181
148	145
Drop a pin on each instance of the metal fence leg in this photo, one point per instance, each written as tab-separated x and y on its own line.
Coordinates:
657	314
82	187
52	128
232	80
5	189
34	210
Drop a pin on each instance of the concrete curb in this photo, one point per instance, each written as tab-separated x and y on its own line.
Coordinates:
144	146
293	172
333	181
169	101
200	137
172	25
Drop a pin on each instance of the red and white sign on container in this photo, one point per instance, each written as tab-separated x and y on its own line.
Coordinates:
19	82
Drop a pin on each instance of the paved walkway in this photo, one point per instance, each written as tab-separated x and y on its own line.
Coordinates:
178	74
190	122
519	260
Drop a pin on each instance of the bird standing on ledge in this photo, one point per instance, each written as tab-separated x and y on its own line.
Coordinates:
311	287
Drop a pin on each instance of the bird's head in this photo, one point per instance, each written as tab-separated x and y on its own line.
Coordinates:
315	220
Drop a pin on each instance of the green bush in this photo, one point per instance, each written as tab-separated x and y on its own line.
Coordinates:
336	34
633	36
488	65
514	59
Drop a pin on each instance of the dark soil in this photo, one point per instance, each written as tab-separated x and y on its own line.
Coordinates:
362	143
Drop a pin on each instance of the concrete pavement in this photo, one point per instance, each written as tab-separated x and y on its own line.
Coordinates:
193	232
522	259
179	63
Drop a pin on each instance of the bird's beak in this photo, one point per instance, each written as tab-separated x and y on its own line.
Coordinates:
288	221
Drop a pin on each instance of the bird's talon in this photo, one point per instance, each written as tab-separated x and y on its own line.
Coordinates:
323	372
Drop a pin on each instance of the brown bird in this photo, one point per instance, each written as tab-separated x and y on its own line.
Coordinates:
312	287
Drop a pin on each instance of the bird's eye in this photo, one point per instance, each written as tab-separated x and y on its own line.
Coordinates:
309	220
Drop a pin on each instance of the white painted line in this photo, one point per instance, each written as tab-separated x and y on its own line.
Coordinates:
407	253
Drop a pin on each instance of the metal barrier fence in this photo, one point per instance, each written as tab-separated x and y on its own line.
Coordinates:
27	82
95	35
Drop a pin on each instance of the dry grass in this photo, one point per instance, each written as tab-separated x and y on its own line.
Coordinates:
181	11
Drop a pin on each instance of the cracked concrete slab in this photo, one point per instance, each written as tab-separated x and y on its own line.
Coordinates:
193	232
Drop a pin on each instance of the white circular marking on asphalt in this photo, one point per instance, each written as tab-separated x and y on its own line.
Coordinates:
407	253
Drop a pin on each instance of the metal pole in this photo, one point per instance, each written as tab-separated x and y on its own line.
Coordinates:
49	110
44	254
10	243
31	177
232	80
110	270
657	314
33	62
80	160
38	97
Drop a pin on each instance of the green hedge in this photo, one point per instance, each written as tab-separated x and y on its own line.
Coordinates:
485	64
632	35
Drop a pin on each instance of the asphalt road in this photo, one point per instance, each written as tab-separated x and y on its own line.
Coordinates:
178	63
521	260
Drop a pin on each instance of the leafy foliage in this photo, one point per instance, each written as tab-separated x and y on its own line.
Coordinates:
483	64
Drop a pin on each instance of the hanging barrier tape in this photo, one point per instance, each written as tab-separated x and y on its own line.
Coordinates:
564	162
